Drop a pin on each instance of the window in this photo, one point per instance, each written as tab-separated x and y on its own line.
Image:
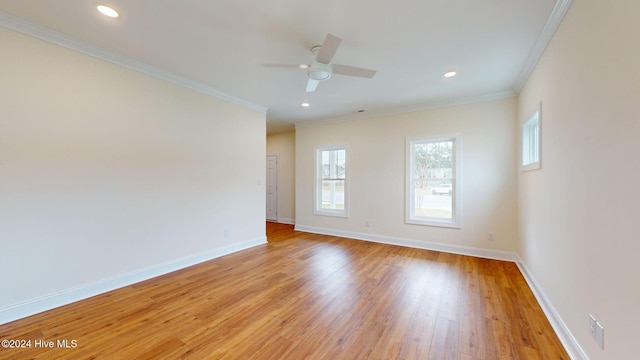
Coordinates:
433	186
531	142
331	181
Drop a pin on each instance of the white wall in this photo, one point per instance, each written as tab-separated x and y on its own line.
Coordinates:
579	213
105	171
376	173
284	145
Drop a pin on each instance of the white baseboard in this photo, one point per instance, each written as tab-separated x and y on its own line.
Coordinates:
417	244
65	297
566	338
286	221
31	307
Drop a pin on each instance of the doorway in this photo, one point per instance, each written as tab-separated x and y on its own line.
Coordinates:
272	187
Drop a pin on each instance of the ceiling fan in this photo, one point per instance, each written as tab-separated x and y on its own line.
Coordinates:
321	68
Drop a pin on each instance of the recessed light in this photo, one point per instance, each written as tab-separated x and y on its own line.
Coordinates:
449	74
105	10
305	104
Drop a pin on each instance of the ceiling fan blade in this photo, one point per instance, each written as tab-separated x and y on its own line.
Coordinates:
352	71
328	49
289	66
312	85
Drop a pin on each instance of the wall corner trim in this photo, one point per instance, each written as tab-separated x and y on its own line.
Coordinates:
65	297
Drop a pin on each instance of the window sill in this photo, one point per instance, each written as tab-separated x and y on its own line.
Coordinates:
342	214
530	167
434	222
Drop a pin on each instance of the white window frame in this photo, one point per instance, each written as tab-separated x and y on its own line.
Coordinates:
318	210
456	202
531	141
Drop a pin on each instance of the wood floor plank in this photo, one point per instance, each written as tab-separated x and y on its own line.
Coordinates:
307	296
472	333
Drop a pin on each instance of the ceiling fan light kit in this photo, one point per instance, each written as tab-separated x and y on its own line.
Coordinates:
319	71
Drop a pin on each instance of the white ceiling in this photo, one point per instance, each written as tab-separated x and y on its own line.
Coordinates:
220	47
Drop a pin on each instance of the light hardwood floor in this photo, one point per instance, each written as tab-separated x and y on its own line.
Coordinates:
306	296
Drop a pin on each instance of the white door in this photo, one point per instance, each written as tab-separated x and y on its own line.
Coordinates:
272	187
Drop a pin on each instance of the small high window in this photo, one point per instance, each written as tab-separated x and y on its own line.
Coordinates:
531	141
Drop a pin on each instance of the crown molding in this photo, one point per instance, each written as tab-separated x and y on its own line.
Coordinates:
39	32
550	27
19	25
409	108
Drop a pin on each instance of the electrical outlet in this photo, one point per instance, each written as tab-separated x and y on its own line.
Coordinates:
367	223
226	232
490	236
592	326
